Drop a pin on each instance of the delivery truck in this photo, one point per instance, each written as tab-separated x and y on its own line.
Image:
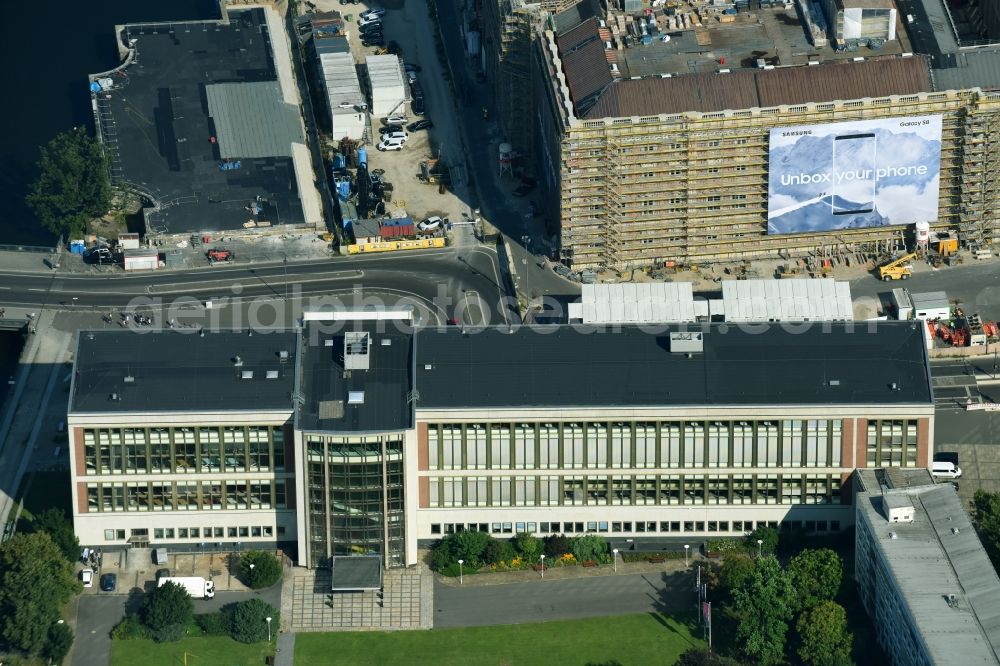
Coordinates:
197	587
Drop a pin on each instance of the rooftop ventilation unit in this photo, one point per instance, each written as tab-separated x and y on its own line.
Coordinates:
237	361
129	379
356	397
687	343
356	350
386	342
283	355
246	374
834	382
272	374
328	342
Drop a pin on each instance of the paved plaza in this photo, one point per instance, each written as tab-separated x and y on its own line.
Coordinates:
405	604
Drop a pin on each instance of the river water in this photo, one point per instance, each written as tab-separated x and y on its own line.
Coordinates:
48	50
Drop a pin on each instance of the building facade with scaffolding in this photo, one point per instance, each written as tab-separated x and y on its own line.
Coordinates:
658	147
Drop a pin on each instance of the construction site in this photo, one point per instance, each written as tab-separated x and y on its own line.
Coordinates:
680	135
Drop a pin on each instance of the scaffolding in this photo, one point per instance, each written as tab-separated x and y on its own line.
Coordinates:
693	188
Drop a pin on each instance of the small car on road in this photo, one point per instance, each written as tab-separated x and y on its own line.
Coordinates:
390	144
87	577
109	582
419	125
394	119
432	223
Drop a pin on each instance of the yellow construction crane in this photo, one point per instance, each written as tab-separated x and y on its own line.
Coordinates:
897	269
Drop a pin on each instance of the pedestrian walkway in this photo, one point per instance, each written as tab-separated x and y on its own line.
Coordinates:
566	573
405	603
285	656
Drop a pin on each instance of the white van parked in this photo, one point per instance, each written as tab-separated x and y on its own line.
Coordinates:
945	470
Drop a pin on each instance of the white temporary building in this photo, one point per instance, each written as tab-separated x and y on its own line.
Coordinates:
388	86
637	303
786	300
348	108
146	259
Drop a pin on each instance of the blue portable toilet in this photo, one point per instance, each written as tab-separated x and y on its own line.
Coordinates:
339	162
95	87
362	156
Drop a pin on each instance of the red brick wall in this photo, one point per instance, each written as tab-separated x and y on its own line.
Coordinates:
861	450
76	441
847	443
422	463
424	484
923	442
81	497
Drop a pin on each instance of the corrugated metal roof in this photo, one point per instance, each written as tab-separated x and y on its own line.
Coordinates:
786	300
747	88
636	303
585	65
252	121
935	556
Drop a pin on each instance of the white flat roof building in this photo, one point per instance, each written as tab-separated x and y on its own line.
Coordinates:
339	76
385	74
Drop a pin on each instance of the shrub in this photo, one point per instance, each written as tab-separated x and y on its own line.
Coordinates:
556	545
530	547
735	571
590	547
167	612
59	642
768	535
130	628
724	545
498	550
467	546
249	621
651	556
260	569
214	624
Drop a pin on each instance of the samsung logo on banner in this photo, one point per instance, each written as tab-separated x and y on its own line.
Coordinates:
863	174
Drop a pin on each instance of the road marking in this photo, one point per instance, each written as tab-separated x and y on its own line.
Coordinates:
249	282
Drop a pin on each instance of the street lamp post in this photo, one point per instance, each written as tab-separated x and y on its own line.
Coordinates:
614	554
527	274
686	548
760	545
252	565
460	574
543	565
268	618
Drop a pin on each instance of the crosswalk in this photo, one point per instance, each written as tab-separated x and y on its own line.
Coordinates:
954	384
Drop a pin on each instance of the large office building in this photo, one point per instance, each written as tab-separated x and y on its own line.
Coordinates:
710	133
361	435
922	573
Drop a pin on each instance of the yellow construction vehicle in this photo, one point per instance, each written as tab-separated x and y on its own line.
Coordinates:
897	269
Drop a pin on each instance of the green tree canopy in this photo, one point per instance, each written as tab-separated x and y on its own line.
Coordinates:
35	581
498	550
529	546
466	546
825	640
764	605
816	575
986	516
768	535
704	657
55	523
59	642
260	569
167	612
590	547
249	621
556	545
73	186
735	571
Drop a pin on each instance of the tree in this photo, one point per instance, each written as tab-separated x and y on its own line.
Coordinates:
768	535
735	571
589	547
529	546
816	575
35	581
986	517
167	612
60	640
704	657
249	621
55	523
73	185
764	606
556	545
825	640
260	569
498	550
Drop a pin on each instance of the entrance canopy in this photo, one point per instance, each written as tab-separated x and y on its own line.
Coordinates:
354	573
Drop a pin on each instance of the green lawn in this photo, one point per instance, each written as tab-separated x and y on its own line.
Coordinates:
627	640
201	651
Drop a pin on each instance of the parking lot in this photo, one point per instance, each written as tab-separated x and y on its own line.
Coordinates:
410	27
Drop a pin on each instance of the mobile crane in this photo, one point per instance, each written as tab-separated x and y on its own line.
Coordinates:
897	269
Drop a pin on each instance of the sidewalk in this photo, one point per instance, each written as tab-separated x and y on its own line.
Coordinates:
565	573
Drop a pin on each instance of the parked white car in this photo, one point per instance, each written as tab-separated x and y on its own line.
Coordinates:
368	20
390	144
87	577
391	136
374	11
430	224
394	119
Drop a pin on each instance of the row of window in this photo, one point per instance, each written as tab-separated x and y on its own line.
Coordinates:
789	443
239	532
186	495
185	450
448	492
636	527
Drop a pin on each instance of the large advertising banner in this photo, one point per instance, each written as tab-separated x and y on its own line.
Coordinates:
865	173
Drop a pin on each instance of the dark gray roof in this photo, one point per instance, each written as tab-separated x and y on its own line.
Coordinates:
325	386
573	16
251	120
182	371
978	68
569	366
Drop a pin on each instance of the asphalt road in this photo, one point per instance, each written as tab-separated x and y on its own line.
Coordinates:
546	600
975	284
442	282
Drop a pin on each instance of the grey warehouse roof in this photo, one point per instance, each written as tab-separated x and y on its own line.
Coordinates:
251	120
937	555
568	366
182	371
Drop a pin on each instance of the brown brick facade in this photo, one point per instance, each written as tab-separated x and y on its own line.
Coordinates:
422	463
847	443
81	497
424	486
861	450
76	441
923	442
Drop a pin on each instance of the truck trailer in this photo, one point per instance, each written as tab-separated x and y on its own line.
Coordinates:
197	587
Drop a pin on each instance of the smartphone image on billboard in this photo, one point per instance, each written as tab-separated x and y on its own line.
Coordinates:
853	187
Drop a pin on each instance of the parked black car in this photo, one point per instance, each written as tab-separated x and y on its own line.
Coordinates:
109	582
370	27
373	40
389	129
419	125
